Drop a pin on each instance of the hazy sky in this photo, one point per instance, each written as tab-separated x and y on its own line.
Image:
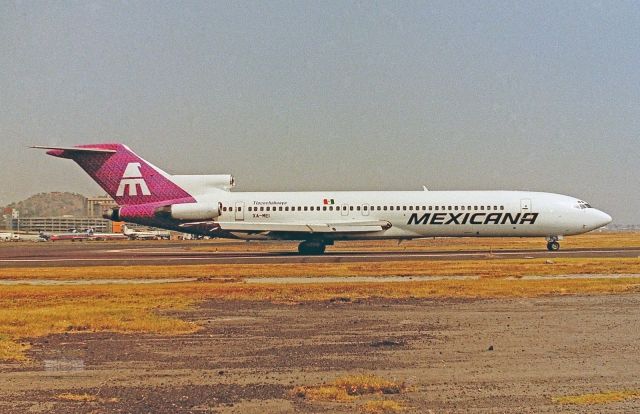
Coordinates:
330	95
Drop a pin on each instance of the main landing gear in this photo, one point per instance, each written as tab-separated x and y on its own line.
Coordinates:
311	247
552	243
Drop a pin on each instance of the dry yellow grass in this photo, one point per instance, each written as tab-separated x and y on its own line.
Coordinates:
322	393
28	313
383	407
362	384
33	311
348	387
484	268
598	398
67	396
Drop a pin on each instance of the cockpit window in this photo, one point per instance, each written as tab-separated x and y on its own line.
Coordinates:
582	204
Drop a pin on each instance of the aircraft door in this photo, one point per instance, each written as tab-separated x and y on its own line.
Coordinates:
239	211
365	209
525	205
345	210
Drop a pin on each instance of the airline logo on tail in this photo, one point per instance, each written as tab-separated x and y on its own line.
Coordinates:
131	179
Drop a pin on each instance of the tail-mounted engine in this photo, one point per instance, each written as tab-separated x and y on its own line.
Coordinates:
112	214
181	212
190	211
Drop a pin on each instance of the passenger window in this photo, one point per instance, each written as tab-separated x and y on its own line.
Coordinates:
455	207
501	207
404	208
268	208
481	207
410	207
239	208
351	208
286	208
378	208
358	208
365	208
462	208
299	208
384	208
330	208
430	208
324	208
437	207
224	209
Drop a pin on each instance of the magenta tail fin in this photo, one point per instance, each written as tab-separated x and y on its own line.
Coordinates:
126	177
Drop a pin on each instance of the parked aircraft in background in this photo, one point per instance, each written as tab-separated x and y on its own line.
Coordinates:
27	237
106	236
22	236
204	205
7	236
88	234
146	235
70	235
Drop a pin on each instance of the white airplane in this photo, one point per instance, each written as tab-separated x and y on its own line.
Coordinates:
145	235
205	205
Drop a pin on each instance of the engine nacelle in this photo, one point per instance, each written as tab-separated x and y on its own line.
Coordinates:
112	214
200	184
191	211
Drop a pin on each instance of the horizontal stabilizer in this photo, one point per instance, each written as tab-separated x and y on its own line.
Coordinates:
75	149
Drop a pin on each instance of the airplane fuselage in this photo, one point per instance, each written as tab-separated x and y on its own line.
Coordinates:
415	214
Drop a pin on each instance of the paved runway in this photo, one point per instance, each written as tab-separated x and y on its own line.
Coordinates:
32	255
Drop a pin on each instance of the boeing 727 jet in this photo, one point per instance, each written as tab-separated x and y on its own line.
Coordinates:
205	205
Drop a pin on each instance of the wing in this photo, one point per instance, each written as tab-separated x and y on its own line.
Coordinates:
337	227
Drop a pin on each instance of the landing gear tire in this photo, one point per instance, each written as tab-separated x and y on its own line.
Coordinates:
311	248
553	246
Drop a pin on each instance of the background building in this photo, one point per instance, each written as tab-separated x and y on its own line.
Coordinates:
96	206
59	224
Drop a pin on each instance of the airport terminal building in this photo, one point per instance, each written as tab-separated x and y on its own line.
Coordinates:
59	224
92	219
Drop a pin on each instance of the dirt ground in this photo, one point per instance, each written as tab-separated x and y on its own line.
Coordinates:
249	355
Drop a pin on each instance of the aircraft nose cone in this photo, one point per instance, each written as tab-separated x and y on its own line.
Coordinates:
601	218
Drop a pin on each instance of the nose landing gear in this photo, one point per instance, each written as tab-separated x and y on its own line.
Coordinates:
552	243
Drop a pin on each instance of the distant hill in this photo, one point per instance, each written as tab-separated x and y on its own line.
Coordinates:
51	204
